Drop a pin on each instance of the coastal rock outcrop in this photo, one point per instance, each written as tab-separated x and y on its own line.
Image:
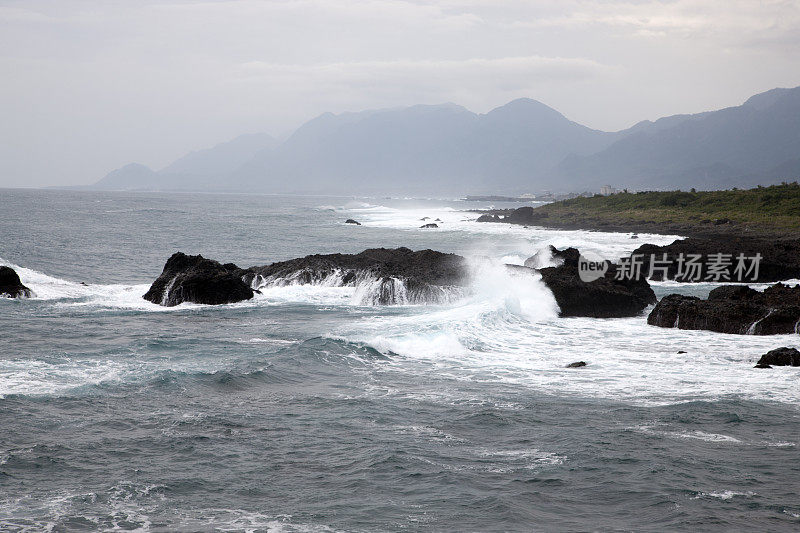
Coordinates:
384	276
605	297
733	309
193	278
779	357
430	225
779	259
388	276
10	284
351	221
526	216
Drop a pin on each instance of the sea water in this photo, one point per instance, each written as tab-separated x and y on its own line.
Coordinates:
308	409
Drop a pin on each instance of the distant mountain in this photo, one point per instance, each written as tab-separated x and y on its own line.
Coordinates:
199	170
755	143
521	146
423	150
223	158
132	176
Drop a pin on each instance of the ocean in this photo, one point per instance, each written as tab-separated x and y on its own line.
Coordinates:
305	409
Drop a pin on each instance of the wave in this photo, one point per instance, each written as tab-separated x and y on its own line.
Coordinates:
506	329
69	293
168	364
355	288
725	495
694	435
499	306
134	506
336	288
526	241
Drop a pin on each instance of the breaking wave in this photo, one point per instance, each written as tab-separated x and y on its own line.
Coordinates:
365	288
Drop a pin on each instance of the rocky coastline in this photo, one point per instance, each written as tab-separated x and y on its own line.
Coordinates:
394	276
736	309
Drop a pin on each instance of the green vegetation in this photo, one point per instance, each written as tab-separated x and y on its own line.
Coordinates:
764	208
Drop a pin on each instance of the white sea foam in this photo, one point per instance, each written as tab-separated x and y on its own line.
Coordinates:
695	435
363	290
529	240
725	494
508	330
70	293
31	377
129	506
506	327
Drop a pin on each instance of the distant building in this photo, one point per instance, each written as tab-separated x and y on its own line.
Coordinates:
607	190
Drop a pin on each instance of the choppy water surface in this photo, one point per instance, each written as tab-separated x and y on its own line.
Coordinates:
304	411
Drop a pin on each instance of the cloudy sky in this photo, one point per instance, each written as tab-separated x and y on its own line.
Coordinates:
88	86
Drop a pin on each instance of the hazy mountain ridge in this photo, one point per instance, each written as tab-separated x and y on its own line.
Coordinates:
521	146
736	146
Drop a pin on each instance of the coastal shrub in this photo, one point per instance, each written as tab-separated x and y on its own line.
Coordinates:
776	205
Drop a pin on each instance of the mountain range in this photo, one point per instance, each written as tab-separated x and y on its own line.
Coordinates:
519	147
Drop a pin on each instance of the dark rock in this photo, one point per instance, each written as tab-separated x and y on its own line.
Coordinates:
395	276
525	216
193	278
779	357
680	352
431	225
423	219
10	284
780	259
425	275
605	297
351	221
576	365
733	309
634	236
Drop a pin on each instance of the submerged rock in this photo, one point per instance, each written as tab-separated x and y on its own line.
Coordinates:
605	297
431	225
733	309
193	278
577	364
10	284
779	357
351	221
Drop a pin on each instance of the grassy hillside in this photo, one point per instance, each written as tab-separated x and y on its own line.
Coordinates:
774	208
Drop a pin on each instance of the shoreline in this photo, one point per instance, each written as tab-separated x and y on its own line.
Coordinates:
727	230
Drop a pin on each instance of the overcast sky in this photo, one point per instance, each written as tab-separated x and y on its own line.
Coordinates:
88	86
